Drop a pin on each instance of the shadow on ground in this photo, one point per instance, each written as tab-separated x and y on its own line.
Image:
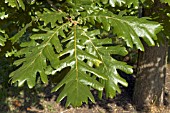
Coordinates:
40	100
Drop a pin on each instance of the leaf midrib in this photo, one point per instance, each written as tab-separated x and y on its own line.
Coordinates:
46	45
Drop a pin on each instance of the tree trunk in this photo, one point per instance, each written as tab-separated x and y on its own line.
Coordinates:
150	79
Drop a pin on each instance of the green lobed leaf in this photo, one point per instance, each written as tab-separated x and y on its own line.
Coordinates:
128	27
128	3
78	78
80	2
109	65
51	17
3	15
166	1
108	69
74	90
17	36
113	3
16	3
2	38
36	56
31	66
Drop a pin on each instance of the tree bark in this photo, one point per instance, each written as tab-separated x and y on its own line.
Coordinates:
150	79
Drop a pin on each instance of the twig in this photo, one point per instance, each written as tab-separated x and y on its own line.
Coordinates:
52	5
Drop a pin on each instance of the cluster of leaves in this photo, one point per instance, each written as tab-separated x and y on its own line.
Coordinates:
65	37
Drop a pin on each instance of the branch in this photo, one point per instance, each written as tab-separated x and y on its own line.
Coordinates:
52	5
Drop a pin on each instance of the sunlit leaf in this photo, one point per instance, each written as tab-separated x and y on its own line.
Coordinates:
2	38
16	3
166	1
129	28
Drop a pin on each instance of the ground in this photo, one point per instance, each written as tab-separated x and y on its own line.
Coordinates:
24	100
